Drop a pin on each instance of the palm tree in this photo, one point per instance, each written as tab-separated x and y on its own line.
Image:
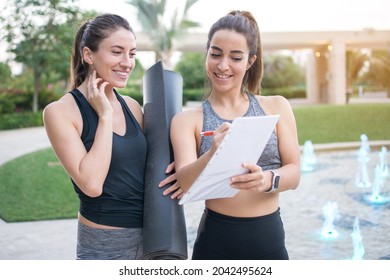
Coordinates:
379	71
355	63
151	14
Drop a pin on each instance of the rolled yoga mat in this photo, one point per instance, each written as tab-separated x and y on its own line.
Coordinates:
165	235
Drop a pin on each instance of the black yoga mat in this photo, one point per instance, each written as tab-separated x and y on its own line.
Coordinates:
165	235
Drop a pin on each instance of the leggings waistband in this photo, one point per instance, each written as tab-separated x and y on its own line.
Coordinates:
226	218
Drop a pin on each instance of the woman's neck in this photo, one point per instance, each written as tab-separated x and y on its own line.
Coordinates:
229	106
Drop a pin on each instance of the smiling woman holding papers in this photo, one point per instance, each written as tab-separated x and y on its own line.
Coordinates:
247	225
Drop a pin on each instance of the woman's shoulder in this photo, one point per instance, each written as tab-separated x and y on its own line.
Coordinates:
63	113
189	115
273	103
190	112
131	102
271	98
62	105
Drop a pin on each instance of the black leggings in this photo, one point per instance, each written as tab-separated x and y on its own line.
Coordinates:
222	237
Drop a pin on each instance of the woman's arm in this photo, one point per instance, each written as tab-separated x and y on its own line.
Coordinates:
87	169
185	129
289	150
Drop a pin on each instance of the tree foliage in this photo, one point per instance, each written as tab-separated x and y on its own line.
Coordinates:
379	69
5	74
281	71
39	34
355	62
153	14
191	67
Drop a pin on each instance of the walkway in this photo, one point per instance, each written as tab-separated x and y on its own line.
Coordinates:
17	142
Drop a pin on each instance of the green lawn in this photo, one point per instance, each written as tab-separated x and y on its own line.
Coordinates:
36	187
343	123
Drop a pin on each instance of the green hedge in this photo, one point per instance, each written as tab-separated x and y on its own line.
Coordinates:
188	94
289	92
20	120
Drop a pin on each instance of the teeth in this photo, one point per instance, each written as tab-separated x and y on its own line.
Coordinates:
121	73
222	76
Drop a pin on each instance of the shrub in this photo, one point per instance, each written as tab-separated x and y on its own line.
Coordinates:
20	120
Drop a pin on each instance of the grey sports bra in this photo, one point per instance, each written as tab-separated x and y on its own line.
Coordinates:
270	159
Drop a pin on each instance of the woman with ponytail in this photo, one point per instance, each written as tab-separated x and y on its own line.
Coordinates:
97	135
248	225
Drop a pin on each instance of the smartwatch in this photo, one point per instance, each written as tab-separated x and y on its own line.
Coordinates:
275	181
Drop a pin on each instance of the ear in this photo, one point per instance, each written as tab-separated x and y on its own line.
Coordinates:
251	61
87	55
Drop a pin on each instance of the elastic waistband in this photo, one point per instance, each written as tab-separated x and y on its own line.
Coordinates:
259	219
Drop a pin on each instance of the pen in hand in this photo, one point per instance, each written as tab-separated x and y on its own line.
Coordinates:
207	133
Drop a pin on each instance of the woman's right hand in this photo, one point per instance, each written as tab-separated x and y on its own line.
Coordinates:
218	136
97	97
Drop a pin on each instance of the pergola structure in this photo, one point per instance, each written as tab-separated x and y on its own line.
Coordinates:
326	64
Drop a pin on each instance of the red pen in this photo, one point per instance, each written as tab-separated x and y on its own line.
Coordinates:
207	133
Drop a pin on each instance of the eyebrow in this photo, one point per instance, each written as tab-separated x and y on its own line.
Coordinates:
122	48
233	51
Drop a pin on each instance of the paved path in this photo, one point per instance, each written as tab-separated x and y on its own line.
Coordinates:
17	142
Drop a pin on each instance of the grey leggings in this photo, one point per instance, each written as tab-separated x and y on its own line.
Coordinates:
109	244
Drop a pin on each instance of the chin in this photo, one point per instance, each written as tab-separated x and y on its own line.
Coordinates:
119	85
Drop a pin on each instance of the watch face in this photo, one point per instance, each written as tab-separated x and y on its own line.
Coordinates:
276	182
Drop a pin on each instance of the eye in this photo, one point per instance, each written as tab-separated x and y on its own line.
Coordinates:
237	58
215	54
132	55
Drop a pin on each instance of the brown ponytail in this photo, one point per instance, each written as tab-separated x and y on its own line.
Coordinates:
79	71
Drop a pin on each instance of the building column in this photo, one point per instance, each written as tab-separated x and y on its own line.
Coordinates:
312	90
321	74
337	73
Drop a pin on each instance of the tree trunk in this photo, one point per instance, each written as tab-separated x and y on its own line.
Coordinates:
35	93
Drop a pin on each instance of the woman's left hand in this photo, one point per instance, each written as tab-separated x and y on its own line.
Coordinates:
174	190
254	181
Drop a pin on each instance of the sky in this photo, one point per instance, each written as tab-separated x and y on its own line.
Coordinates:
275	15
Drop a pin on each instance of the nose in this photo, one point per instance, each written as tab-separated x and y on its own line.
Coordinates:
223	65
127	62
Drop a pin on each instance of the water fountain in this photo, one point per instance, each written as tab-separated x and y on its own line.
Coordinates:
376	196
331	213
309	158
364	145
384	167
362	178
358	248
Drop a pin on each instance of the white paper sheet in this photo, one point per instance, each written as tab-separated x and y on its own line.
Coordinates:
244	142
